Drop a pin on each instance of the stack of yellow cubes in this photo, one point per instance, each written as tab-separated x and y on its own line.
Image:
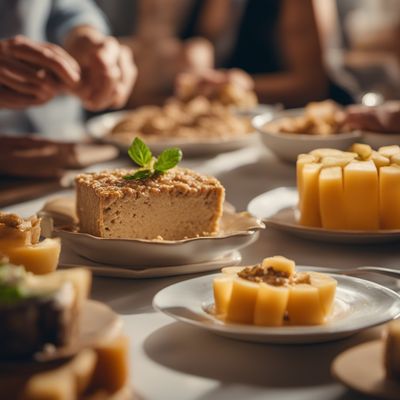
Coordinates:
354	190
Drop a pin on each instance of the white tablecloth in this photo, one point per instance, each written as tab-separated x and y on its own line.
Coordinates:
171	360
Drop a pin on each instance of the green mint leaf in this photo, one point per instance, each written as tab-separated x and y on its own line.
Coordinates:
168	159
140	153
139	174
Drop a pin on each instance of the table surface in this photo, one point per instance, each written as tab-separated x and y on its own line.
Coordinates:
171	360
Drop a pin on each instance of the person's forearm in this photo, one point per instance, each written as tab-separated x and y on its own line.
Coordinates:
289	89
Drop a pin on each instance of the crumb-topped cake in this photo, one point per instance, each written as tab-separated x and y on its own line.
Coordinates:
177	204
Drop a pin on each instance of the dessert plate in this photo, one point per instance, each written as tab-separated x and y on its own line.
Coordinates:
288	146
98	323
72	260
277	209
359	304
237	230
99	127
361	368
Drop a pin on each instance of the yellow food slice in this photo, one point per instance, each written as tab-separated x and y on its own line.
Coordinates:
304	305
364	151
395	159
361	195
309	201
243	300
270	305
389	151
331	197
222	287
379	160
326	286
302	160
389	192
280	263
336	161
231	270
320	153
40	258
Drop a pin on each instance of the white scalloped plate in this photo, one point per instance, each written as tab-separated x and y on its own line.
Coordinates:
359	304
277	208
238	230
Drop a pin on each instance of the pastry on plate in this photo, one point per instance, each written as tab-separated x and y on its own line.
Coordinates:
39	310
19	241
157	201
272	293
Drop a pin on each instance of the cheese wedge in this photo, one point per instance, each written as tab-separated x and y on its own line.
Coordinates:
331	197
361	195
389	193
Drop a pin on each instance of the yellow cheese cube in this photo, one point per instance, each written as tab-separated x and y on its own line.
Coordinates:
389	151
243	301
222	287
326	286
361	195
309	202
270	305
364	151
40	258
389	194
280	263
304	306
331	197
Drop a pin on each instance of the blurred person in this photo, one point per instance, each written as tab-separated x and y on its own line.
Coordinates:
51	49
275	41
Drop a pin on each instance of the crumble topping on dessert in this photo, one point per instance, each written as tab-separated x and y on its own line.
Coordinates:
259	273
14	226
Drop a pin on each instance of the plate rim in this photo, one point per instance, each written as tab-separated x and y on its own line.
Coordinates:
276	332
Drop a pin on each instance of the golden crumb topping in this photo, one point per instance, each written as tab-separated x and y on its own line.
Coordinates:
13	225
177	180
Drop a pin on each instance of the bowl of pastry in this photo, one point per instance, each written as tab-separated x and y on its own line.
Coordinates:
342	196
276	302
197	124
296	131
156	215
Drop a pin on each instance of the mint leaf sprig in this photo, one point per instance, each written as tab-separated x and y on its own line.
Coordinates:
149	165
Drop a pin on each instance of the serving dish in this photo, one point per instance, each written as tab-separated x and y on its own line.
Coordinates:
277	208
99	127
287	146
359	304
237	230
378	139
361	368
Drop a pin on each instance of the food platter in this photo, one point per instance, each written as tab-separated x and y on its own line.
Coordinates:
359	304
277	208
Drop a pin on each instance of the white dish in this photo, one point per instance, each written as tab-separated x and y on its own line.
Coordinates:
288	146
237	230
278	209
376	139
98	128
72	260
359	304
361	368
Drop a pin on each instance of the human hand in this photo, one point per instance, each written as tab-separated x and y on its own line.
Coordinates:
384	118
31	73
108	70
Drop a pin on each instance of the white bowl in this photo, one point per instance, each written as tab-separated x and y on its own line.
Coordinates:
288	146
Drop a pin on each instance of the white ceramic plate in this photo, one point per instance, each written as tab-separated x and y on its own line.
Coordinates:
98	128
361	368
237	230
288	146
359	304
277	208
72	260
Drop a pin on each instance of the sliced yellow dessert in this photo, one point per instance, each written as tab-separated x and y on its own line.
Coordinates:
356	190
19	241
273	294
